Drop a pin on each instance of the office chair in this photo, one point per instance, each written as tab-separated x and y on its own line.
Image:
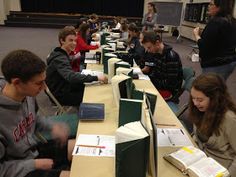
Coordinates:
188	78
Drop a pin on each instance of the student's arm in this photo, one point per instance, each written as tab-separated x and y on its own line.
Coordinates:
65	70
153	22
173	79
231	131
83	46
14	168
144	19
146	70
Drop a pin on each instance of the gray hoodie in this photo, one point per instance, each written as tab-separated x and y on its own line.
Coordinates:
17	135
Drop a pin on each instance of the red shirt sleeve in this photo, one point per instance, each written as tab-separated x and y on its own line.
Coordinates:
82	45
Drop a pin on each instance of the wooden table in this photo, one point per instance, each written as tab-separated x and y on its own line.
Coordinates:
85	166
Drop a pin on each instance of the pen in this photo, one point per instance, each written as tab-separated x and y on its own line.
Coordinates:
91	146
182	131
173	144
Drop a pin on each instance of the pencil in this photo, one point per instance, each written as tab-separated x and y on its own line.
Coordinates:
171	125
91	146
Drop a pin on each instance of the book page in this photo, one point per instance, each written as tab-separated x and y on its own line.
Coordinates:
95	145
130	131
172	137
207	167
188	155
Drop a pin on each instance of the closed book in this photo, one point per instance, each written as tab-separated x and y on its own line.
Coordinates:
130	110
106	57
132	150
120	84
111	67
91	111
122	64
151	98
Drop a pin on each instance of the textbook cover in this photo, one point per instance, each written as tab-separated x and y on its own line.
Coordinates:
91	111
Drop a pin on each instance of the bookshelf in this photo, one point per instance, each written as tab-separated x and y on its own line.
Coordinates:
196	12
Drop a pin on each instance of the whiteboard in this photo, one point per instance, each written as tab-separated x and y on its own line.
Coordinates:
169	13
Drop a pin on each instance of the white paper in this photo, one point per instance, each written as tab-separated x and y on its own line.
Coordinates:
172	137
91	72
95	145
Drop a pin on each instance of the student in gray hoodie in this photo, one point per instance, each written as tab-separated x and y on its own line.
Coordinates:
20	153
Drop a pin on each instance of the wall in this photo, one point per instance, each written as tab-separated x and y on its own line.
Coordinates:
6	6
186	29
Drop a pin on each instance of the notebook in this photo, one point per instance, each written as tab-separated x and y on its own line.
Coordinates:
91	111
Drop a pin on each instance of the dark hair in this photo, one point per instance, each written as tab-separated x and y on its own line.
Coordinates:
153	6
21	64
133	27
82	29
150	36
93	16
226	8
66	31
79	22
214	87
124	27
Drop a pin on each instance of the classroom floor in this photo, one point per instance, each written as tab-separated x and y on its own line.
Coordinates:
42	40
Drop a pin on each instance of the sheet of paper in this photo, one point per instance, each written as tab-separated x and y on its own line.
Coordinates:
95	145
92	61
91	72
172	137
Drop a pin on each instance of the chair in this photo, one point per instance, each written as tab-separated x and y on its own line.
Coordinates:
60	109
193	51
188	78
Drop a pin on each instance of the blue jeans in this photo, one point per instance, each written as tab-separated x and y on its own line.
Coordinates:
224	70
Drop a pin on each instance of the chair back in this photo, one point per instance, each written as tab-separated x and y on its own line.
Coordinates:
188	77
60	108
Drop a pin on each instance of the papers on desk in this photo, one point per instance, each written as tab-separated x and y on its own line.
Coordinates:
141	76
172	137
95	145
91	72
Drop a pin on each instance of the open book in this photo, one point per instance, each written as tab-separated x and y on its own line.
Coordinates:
132	149
195	163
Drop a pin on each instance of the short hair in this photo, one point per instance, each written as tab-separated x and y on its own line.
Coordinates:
66	31
93	16
150	36
22	64
133	27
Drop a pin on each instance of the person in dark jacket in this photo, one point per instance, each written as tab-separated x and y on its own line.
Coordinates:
134	47
65	84
217	43
163	65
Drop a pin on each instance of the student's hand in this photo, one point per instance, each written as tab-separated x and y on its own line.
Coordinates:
196	32
103	79
43	164
60	131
